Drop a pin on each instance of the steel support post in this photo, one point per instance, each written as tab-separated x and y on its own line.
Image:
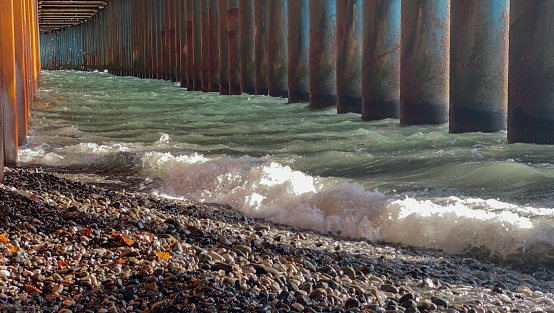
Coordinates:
247	51
260	43
223	49
349	56
381	60
205	46
177	49
172	40
197	43
233	44
298	48
277	48
478	65
531	72
3	93
323	77
21	83
183	47
8	98
424	61
190	45
213	39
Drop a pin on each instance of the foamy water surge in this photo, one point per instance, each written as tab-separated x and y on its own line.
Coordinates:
269	190
416	186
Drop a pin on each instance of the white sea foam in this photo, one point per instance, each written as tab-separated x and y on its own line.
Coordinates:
164	138
269	190
79	154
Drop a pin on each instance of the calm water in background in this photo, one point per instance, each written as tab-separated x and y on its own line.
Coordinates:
413	185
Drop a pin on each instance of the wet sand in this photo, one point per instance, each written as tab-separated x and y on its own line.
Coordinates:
76	241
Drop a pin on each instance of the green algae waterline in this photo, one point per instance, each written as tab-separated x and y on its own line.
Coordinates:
413	185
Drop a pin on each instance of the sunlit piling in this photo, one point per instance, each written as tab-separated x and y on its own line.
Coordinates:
19	72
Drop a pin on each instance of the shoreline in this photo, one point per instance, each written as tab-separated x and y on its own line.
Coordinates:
128	251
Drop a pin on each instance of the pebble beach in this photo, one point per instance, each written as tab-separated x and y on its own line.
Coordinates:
68	245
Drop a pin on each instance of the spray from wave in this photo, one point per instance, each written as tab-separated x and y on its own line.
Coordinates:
486	227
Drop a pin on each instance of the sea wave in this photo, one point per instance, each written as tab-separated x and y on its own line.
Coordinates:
487	228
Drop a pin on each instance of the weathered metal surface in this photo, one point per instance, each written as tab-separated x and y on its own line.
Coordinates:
197	43
277	48
478	65
151	40
21	69
164	34
381	60
183	39
531	72
190	46
424	61
260	42
298	28
8	98
4	92
213	52
172	37
233	44
247	47
349	56
177	41
323	77
204	44
154	39
223	49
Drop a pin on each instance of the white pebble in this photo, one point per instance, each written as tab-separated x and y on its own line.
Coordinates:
4	273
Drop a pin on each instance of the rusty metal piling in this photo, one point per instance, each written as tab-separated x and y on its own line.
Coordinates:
223	48
277	48
323	77
204	47
424	61
213	43
233	45
478	65
20	62
260	42
298	49
381	60
349	56
247	47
